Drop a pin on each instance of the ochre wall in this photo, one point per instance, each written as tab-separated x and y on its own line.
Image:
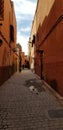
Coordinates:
6	53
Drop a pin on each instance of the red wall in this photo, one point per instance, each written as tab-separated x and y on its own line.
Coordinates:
53	48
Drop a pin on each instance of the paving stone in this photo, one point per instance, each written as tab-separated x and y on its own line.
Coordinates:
22	109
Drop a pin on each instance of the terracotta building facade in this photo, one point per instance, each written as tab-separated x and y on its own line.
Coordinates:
49	42
7	39
32	45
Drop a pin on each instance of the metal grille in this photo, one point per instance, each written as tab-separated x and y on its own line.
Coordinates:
56	113
1	9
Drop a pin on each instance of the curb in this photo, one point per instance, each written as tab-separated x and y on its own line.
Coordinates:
57	95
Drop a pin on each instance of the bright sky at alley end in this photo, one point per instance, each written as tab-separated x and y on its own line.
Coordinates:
24	10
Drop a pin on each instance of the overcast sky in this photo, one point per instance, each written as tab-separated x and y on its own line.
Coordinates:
24	10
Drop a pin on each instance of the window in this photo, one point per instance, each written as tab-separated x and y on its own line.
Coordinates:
1	9
11	33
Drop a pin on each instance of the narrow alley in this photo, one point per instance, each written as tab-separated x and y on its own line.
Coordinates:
26	103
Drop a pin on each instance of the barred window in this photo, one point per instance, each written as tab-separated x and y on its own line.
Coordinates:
1	9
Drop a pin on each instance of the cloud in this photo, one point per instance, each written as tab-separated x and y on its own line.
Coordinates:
25	29
24	10
25	6
21	16
23	40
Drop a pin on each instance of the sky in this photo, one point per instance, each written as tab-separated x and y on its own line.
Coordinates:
24	10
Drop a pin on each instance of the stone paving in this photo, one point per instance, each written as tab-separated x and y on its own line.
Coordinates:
22	108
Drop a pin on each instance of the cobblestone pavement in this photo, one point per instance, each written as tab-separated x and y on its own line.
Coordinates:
27	104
